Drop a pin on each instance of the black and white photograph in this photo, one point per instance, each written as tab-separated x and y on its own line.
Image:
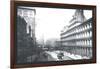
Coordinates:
53	34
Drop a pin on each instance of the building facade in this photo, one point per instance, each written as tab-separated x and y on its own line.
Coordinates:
25	35
29	16
76	38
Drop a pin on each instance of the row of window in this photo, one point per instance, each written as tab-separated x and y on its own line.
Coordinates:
85	52
84	42
78	28
80	35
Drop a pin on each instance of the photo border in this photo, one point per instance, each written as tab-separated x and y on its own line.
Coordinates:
14	4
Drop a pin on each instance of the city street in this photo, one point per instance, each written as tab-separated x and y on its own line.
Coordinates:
66	56
54	56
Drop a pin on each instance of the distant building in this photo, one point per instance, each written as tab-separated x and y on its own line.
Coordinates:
77	37
52	42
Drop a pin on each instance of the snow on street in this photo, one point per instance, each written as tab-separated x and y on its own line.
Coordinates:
67	56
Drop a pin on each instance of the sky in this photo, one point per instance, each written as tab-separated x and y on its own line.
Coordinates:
50	21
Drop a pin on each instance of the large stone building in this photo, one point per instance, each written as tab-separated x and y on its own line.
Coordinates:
29	16
76	38
25	34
